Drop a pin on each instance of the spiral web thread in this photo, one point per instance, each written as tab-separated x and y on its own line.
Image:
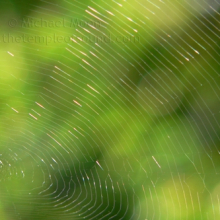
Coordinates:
124	123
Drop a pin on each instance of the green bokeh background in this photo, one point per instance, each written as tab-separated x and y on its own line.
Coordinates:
182	133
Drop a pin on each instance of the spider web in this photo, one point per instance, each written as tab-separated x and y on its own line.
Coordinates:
110	110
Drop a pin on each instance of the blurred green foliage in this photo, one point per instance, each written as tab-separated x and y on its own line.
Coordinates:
157	109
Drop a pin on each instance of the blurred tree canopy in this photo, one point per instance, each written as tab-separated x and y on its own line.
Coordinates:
109	110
